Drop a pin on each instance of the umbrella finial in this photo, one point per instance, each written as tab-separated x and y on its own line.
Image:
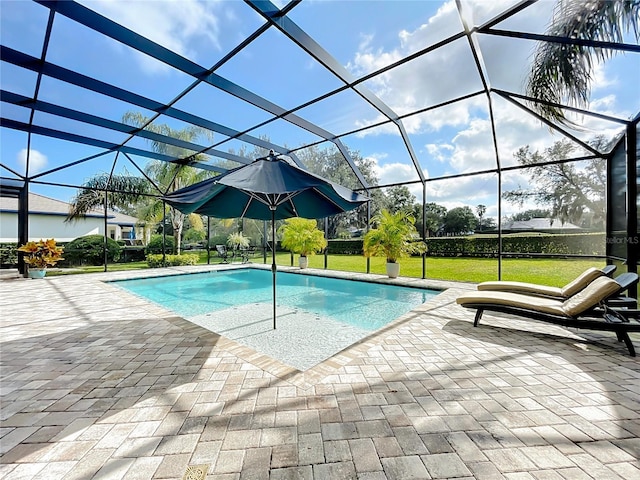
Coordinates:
272	155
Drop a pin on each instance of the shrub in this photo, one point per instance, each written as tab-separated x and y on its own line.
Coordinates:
155	244
193	236
155	260
8	254
89	250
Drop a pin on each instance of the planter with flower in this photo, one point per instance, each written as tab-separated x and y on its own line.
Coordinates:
40	255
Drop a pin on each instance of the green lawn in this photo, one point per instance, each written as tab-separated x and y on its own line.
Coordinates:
556	272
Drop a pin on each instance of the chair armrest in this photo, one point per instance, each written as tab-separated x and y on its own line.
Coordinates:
622	302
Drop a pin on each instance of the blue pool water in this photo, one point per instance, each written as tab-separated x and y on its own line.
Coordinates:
361	304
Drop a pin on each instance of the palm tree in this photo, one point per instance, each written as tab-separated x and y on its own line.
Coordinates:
126	191
170	176
481	210
562	71
119	191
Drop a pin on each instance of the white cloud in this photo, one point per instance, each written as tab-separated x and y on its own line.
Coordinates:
450	71
477	189
604	103
464	140
443	74
600	79
392	172
37	161
438	27
417	84
440	152
473	146
173	25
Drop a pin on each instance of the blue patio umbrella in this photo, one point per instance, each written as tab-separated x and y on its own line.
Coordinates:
269	188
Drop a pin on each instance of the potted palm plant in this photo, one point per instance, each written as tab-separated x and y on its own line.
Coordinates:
394	236
237	241
302	236
40	255
239	244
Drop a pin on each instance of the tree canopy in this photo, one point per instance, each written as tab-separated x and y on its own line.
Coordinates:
460	221
573	192
330	164
529	214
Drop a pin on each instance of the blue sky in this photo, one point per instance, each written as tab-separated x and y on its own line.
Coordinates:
363	36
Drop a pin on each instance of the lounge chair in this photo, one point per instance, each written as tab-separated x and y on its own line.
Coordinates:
586	309
223	253
570	289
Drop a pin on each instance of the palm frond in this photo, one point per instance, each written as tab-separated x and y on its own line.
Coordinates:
561	72
120	190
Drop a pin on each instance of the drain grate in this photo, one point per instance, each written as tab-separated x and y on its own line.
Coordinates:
195	472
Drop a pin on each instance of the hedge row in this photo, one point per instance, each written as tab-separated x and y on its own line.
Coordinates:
155	260
345	247
89	250
570	244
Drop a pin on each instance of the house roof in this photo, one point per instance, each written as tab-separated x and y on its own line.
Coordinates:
537	224
41	205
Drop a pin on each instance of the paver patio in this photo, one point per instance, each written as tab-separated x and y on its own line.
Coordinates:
97	383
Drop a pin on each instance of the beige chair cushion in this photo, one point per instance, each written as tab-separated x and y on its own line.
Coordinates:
520	287
567	291
581	282
597	291
510	299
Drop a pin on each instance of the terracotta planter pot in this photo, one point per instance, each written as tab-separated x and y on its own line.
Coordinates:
393	270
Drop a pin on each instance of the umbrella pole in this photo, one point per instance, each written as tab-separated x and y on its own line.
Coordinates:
273	263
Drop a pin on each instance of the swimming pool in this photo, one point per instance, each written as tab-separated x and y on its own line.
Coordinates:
364	305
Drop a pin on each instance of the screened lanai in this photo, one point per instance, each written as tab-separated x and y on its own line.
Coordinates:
431	96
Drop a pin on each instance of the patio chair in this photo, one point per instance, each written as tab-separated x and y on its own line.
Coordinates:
586	309
570	289
246	253
223	253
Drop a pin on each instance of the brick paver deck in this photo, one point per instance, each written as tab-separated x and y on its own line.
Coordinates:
97	383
